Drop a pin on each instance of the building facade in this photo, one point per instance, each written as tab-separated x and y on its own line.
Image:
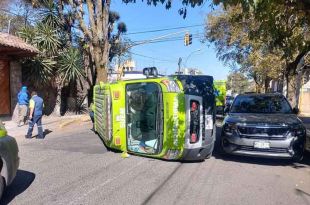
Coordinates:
12	50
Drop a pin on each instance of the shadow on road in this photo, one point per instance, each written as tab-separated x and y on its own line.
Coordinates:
218	154
20	184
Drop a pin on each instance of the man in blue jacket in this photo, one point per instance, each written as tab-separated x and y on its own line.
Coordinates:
23	100
35	115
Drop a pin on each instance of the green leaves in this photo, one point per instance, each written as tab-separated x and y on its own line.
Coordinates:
39	70
70	65
55	59
47	39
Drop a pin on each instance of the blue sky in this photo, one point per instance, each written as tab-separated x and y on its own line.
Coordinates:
165	55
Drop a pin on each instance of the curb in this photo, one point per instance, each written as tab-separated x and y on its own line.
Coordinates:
68	122
71	121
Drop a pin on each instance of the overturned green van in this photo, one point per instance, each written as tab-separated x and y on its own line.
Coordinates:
167	117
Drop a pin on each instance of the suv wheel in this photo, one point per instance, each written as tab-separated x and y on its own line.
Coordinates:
2	185
299	149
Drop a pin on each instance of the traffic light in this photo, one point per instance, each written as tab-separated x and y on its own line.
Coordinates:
188	39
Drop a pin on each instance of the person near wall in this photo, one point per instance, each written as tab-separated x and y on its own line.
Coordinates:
35	115
23	100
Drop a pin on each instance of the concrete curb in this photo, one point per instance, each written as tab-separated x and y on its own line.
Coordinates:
67	122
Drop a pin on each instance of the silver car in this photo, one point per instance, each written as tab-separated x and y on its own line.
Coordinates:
9	160
263	125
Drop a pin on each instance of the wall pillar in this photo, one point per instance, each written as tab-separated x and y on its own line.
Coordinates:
16	83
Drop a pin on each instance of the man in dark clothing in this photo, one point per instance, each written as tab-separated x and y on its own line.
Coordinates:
23	100
35	115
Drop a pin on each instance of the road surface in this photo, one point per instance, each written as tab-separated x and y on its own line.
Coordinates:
74	167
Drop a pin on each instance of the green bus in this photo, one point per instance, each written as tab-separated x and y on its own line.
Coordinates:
170	118
220	90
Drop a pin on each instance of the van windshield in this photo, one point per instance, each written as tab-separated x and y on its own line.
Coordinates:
143	117
261	104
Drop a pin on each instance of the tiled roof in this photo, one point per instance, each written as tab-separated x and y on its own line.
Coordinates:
15	42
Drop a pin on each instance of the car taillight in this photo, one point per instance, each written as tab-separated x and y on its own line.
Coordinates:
194	121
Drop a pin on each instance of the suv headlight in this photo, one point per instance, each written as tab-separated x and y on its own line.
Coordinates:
229	127
298	130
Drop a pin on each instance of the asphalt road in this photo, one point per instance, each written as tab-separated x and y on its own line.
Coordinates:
75	168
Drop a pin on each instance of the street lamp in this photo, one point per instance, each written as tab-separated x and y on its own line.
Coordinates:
185	63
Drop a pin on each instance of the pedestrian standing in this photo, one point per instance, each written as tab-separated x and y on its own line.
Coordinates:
23	100
35	115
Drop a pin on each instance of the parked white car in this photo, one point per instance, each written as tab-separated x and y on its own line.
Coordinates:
9	160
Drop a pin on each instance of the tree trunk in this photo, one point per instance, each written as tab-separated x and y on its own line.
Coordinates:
57	108
266	84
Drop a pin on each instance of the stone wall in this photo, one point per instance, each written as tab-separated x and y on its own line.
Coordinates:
16	83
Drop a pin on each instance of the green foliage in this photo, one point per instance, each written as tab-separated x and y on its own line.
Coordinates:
55	60
238	83
168	4
70	65
39	71
262	38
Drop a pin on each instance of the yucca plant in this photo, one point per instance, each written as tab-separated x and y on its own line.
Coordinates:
56	64
70	65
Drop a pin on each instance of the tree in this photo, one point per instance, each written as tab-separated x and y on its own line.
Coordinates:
58	63
238	83
93	19
285	23
267	41
229	31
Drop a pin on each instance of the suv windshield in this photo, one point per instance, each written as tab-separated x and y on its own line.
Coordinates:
261	104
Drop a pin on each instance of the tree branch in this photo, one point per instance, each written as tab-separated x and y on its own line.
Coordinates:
79	16
91	16
99	19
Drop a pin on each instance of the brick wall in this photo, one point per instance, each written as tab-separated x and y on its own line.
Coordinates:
16	83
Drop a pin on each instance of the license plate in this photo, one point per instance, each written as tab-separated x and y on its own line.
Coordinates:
262	145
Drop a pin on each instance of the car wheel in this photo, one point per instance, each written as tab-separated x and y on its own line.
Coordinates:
2	185
214	137
299	152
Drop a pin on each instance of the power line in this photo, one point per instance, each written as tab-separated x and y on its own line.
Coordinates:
176	38
158	59
163	29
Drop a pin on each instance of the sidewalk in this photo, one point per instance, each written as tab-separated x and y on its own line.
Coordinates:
50	124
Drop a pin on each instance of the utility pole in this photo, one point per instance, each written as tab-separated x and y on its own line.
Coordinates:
179	64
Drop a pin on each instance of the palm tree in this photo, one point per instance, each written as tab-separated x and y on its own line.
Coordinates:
58	63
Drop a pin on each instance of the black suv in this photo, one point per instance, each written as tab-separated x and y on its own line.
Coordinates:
263	125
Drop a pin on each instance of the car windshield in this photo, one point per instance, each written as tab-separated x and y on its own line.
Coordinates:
261	104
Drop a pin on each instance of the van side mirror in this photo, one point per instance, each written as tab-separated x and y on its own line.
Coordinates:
295	111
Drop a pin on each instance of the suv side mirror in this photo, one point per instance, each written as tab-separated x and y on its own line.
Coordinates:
226	109
295	110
